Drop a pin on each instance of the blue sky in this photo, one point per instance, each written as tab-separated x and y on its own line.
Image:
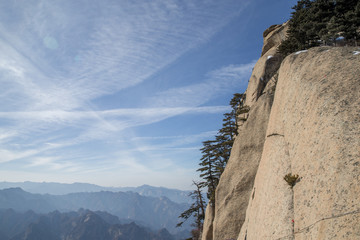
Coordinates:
121	92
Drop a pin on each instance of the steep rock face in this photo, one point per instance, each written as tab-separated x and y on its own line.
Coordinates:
236	183
313	131
235	186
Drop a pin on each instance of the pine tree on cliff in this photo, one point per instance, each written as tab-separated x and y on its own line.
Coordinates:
297	26
319	13
197	210
215	154
222	154
347	18
316	22
226	135
223	142
207	169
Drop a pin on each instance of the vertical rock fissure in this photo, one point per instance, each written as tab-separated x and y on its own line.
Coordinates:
287	152
290	189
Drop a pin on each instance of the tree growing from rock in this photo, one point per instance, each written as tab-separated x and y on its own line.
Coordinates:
197	210
215	155
317	22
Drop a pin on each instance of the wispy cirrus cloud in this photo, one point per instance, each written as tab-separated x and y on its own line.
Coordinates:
102	58
216	82
60	57
85	126
137	116
53	164
7	155
178	143
106	55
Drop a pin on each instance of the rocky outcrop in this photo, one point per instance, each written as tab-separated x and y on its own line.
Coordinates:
273	36
312	129
266	67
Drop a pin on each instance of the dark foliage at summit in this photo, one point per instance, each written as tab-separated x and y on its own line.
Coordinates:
322	22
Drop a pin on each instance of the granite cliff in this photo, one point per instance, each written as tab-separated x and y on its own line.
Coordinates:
303	121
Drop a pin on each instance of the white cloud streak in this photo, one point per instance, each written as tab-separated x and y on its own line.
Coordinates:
121	37
59	57
218	81
7	155
134	115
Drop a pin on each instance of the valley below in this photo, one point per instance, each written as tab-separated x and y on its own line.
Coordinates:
90	214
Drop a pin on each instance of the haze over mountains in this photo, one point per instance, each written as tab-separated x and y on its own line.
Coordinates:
53	188
142	209
83	224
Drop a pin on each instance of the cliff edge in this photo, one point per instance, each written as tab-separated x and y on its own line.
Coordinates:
303	121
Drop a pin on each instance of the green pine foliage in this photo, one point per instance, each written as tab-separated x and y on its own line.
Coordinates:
321	22
197	210
216	153
208	167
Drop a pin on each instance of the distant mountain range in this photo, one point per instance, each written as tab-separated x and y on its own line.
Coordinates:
81	225
156	213
174	195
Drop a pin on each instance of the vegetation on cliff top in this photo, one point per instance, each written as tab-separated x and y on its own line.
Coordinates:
322	22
